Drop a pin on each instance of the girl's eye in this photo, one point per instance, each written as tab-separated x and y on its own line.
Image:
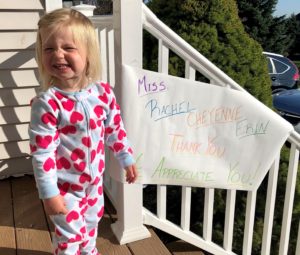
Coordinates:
48	49
70	48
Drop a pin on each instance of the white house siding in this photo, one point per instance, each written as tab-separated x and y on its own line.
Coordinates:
18	81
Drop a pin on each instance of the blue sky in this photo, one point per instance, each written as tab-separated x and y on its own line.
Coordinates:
287	7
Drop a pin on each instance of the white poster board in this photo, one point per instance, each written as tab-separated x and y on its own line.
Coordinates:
190	133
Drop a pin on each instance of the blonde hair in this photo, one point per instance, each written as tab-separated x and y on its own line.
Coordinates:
84	34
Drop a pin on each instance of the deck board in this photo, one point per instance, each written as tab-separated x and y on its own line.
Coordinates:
7	231
106	242
149	246
182	248
32	233
26	230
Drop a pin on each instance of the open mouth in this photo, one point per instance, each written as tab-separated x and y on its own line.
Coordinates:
61	66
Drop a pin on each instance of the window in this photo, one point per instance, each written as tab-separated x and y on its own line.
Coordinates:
280	67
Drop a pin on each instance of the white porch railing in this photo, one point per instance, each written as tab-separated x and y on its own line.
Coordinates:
194	61
121	43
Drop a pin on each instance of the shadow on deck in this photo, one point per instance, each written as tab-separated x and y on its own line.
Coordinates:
25	229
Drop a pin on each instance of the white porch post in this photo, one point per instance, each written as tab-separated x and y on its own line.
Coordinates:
128	50
51	5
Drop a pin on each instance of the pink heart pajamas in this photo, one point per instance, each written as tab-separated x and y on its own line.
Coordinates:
76	232
67	133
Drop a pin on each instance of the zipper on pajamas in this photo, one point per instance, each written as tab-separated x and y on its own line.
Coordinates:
88	133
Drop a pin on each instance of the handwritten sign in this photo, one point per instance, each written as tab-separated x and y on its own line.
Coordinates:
191	133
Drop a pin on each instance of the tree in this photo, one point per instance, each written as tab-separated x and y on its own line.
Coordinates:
275	34
213	27
295	48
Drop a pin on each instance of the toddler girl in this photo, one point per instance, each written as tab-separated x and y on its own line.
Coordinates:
70	122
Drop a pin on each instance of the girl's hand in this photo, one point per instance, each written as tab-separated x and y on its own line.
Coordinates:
55	205
131	173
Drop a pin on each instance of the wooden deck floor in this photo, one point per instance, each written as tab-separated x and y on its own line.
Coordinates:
25	230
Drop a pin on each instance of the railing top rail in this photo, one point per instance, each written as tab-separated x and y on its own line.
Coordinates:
295	138
176	43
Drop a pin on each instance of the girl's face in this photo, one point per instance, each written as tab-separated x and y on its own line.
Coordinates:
64	60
